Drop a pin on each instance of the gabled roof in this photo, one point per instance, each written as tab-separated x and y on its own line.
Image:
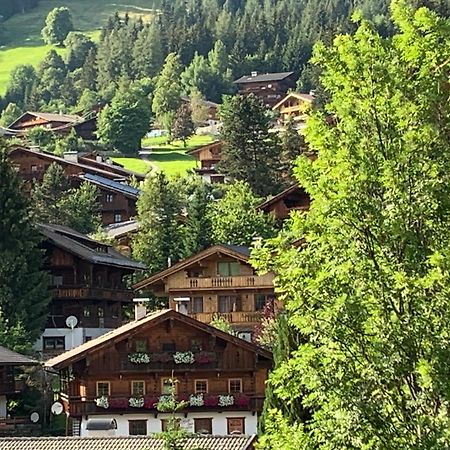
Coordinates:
125	443
116	186
66	118
207	103
120	229
235	251
280	196
206	147
10	358
122	333
260	78
86	248
306	97
110	167
7	132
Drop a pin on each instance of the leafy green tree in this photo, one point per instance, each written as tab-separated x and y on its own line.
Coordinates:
23	283
159	240
78	47
58	25
199	110
11	113
166	98
235	219
198	76
292	146
368	292
88	100
183	126
71	143
20	83
222	324
124	123
250	152
41	137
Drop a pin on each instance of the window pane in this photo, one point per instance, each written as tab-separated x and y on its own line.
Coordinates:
236	425
235	385
223	269
203	426
260	301
140	345
197	306
234	269
137	427
224	304
102	389
137	388
201	386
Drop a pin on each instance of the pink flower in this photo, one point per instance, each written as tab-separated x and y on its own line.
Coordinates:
211	400
118	403
150	402
241	400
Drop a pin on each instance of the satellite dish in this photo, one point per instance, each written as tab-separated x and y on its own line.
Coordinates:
71	322
34	417
57	408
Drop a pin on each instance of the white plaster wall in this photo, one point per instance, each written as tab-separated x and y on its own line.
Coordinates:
219	422
78	335
2	406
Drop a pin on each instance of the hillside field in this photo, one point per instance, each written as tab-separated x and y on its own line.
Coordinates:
23	31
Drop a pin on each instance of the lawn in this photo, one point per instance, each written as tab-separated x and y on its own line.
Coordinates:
135	164
160	143
172	162
23	31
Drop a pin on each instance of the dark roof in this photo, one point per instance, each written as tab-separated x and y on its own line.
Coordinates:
125	443
117	186
110	167
86	248
117	230
235	251
260	78
122	332
268	203
10	358
67	118
207	103
213	144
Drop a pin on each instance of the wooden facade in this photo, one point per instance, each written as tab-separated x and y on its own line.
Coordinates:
296	106
216	364
218	281
270	88
209	156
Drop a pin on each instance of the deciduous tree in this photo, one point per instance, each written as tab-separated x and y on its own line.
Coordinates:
58	25
183	126
10	114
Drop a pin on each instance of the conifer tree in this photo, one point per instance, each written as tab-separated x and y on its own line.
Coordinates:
20	83
10	114
183	126
292	146
24	296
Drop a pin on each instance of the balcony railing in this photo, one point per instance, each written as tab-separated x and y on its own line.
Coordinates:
245	282
231	317
82	292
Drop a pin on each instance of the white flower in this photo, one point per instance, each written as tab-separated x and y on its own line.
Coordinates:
226	400
102	402
139	358
196	400
184	358
136	402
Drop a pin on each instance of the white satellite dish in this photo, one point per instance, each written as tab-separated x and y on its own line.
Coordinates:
34	417
71	322
57	408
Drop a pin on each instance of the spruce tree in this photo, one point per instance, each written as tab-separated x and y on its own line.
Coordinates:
24	296
292	146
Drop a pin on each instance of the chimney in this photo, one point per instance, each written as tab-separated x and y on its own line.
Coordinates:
254	74
99	158
140	308
71	156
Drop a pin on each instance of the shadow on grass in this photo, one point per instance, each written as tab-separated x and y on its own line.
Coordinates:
170	156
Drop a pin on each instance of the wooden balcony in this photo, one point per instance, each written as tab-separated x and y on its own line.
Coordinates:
231	317
119	405
217	283
83	292
18	426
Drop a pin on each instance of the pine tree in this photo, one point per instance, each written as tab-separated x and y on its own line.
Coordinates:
24	296
292	146
20	83
183	126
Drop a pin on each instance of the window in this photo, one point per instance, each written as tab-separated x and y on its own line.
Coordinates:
117	217
197	305
86	311
169	347
100	312
103	389
201	386
34	169
138	388
261	300
235	425
54	343
167	385
203	426
228	269
137	427
109	198
229	303
140	345
235	385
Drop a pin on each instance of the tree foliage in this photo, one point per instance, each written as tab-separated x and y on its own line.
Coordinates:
11	113
368	288
183	125
58	25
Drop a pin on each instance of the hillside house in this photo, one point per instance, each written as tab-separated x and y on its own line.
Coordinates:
217	281
121	376
211	108
296	106
269	87
123	233
209	156
294	198
87	281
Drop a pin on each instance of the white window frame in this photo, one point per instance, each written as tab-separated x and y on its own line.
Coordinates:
105	382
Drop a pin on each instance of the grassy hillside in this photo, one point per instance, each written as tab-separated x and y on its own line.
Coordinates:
23	31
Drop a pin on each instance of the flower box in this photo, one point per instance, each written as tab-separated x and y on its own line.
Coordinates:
136	402
150	402
226	400
202	358
139	358
183	358
211	400
118	403
241	400
196	400
102	402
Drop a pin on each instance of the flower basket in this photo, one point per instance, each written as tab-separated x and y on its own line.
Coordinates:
226	400
202	358
183	358
150	402
139	358
165	358
196	400
183	397
118	403
211	400
241	400
136	402
102	402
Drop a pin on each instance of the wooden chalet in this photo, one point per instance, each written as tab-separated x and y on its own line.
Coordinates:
123	374
88	281
123	233
294	198
117	199
209	156
269	87
210	106
218	281
296	106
